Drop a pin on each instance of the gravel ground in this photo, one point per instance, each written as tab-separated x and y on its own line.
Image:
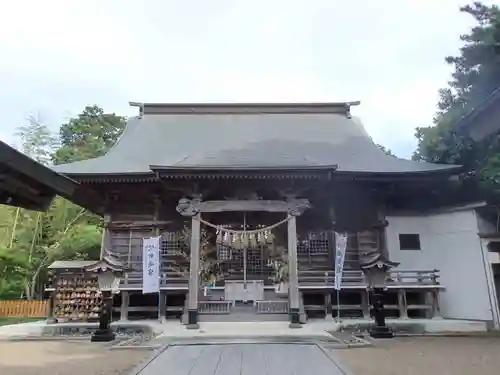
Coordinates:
425	355
66	358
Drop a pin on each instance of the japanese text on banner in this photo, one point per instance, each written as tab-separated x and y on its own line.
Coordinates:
340	250
151	265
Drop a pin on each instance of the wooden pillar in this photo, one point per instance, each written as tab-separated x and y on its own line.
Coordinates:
191	208
328	306
436	311
162	306
124	305
365	304
293	277
162	296
105	236
51	316
194	266
402	304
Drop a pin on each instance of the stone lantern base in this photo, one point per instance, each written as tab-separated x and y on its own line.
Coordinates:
105	335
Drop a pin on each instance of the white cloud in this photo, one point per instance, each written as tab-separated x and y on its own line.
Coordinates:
57	56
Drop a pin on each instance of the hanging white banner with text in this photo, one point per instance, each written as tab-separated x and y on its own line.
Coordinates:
340	249
150	265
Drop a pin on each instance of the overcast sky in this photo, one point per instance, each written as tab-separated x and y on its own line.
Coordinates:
58	56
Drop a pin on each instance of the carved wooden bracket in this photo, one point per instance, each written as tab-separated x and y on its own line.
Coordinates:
188	207
296	207
381	224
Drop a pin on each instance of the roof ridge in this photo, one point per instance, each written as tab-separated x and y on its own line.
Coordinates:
343	108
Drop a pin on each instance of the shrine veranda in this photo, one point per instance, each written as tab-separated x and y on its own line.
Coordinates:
215	198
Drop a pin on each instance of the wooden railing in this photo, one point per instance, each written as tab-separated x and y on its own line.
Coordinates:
24	309
323	278
350	278
214	307
272	307
169	277
356	278
414	277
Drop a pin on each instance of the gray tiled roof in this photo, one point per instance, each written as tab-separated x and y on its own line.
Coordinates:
242	140
71	264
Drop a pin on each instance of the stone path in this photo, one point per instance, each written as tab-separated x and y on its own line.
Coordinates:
244	359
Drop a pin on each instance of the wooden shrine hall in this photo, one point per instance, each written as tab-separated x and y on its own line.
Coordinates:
247	199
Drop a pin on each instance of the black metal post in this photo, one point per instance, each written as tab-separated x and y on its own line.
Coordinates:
380	330
104	333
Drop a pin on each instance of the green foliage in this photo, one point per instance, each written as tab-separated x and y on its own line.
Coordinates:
90	134
31	241
385	150
37	140
476	74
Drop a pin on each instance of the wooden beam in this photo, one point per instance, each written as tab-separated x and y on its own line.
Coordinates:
12	187
186	206
138	224
17	184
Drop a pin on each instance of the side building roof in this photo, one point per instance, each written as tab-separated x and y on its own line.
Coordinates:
246	136
28	184
483	120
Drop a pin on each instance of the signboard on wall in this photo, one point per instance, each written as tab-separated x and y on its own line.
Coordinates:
151	265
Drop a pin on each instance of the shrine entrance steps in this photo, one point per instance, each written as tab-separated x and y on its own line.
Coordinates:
239	311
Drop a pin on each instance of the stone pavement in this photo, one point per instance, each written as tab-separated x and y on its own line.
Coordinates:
22	329
175	330
246	359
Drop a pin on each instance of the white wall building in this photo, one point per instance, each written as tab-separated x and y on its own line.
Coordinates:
450	240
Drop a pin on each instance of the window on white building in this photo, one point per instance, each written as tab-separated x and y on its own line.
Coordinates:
409	241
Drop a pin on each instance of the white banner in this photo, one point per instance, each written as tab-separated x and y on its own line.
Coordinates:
340	249
151	265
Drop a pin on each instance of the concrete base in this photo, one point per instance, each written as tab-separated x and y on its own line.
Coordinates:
419	325
314	327
295	325
193	326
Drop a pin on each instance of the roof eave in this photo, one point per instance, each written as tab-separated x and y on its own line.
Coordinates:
244	172
25	165
468	119
448	171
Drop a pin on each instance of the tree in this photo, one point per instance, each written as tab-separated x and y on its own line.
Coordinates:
31	241
476	74
37	140
88	135
385	150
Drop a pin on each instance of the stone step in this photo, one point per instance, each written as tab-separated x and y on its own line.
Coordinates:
243	317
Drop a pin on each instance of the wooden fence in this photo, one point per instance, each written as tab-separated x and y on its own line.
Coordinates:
24	309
